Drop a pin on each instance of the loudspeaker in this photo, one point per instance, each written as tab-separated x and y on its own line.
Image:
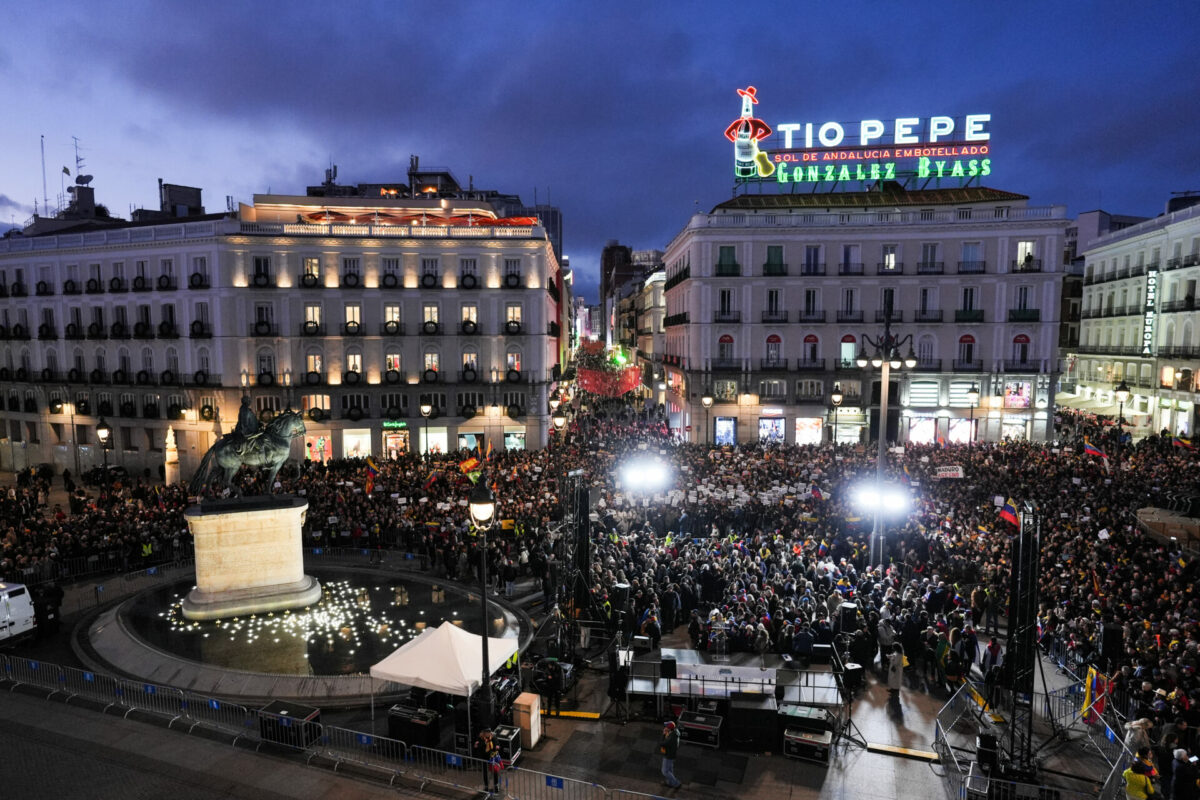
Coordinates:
619	599
848	617
666	667
1112	642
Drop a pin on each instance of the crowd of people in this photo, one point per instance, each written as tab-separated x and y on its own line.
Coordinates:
752	548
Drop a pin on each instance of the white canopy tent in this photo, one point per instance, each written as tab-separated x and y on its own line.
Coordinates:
444	659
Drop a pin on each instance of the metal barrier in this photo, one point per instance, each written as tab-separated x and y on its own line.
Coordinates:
218	715
29	672
92	686
152	698
448	769
625	794
528	784
344	745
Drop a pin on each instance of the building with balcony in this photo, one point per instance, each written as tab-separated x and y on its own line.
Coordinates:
768	298
1140	323
352	307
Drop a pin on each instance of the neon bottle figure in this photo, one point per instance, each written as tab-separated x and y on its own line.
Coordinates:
745	133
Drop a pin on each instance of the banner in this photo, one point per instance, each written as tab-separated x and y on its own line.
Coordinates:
953	471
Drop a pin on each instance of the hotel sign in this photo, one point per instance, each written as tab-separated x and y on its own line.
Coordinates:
868	150
1150	312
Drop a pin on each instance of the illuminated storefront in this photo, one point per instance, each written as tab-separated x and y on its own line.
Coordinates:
514	438
395	438
356	443
470	441
725	430
434	440
809	430
770	430
318	447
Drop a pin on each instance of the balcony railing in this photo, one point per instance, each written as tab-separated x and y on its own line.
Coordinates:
844	364
849	316
726	364
931	267
1191	259
812	269
774	270
884	268
1101	349
200	330
808	398
677	278
1022	366
928	365
810	316
727	315
263	328
727	270
775	316
850	268
1027	265
1024	314
896	316
810	364
934	315
972	267
1190	351
773	364
1186	304
675	319
975	365
392	327
968	315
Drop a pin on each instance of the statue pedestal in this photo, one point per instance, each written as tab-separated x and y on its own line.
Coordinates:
248	558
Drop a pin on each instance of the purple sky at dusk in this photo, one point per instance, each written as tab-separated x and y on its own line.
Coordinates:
614	111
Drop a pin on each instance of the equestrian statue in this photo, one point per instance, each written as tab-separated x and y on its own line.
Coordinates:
250	444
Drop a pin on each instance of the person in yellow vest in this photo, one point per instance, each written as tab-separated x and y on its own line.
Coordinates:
1137	783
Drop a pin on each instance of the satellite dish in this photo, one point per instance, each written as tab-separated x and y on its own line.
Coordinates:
83	180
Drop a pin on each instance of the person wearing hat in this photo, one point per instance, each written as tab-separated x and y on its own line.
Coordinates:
1137	734
490	753
669	747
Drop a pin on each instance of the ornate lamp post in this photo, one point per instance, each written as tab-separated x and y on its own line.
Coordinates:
426	410
1122	394
886	358
481	504
104	436
706	401
973	399
835	400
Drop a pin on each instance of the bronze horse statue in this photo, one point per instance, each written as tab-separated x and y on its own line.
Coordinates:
266	449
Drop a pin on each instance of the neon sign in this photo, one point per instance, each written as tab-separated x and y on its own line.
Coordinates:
1148	315
868	150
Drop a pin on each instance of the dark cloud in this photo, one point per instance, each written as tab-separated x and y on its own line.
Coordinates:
11	208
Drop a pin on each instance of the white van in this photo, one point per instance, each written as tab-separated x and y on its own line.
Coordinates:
16	612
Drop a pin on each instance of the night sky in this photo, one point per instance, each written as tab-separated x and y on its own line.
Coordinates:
612	111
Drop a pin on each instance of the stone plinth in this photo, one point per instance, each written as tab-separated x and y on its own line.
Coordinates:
248	558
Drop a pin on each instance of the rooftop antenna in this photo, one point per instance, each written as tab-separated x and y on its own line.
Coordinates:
78	158
229	202
45	194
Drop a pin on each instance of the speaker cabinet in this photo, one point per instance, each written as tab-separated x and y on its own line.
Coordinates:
666	668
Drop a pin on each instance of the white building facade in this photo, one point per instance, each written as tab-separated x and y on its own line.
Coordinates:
1141	324
355	311
769	298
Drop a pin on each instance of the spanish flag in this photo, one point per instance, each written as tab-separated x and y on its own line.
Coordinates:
1008	512
469	465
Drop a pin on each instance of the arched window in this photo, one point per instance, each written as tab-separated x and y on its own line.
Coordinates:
52	360
812	349
774	348
123	361
432	359
1020	348
173	359
926	348
725	348
512	358
470	358
203	362
847	350
966	349
1168	339
26	363
1185	340
314	360
264	361
391	360
354	360
147	359
100	359
77	359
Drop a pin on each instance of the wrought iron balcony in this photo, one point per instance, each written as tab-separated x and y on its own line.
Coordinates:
931	267
972	267
727	315
775	316
1024	314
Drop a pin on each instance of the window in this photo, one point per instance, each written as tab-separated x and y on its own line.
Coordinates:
512	359
98	316
202	359
927	300
264	312
774	348
353	362
140	267
267	405
514	399
391	361
725	348
391	266
470	360
968	298
1023	293
168	314
432	361
888	256
470	312
391	312
812	301
512	266
850	254
312	266
966	349
775	254
202	313
351	266
266	362
725	390
929	252
143	314
429	266
848	300
887	300
312	313
772	301
1020	349
724	301
94	272
1025	250
354	313
923	394
772	388
429	313
314	362
810	351
147	359
512	312
262	266
396	400
726	257
926	346
468	266
118	271
200	266
119	316
310	401
812	257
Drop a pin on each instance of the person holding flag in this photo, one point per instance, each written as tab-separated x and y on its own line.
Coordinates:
372	474
1008	512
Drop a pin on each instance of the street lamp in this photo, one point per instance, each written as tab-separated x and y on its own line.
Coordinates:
554	403
886	358
1122	393
706	401
559	419
426	410
104	436
973	399
481	504
836	399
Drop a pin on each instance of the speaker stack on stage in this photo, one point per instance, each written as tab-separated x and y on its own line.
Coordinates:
752	720
667	668
848	617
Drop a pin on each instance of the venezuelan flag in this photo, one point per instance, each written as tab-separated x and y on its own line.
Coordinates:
1008	512
1179	441
1091	449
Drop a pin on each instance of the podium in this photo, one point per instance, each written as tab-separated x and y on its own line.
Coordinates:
527	715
